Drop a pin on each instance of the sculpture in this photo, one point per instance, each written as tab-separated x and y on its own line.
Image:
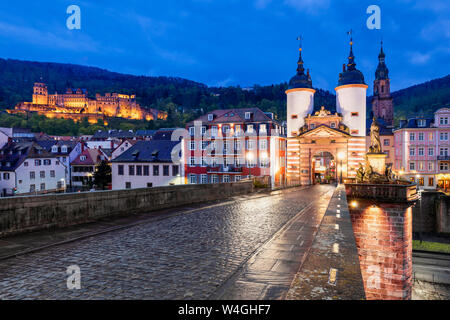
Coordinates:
360	174
375	144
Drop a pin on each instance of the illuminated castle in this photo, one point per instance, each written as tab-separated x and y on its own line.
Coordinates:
75	104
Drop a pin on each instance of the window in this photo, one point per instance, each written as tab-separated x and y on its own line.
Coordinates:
226	129
250	144
128	185
312	126
192	131
386	142
430	182
37	162
443	166
210	117
25	164
192	145
52	173
263	144
214	131
355	132
139	170
430	136
203	130
204	178
412	151
237	145
32	175
131	170
32	187
412	136
421	136
146	171
430	166
443	152
226	178
42	174
421	181
421	123
237	178
175	170
55	149
264	162
120	169
412	166
421	166
333	125
166	170
64	149
192	178
250	128
247	115
263	127
443	120
149	184
204	145
354	114
421	151
42	186
215	178
156	170
192	161
82	158
430	151
443	136
294	116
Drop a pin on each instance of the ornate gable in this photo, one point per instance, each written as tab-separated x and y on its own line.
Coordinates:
324	131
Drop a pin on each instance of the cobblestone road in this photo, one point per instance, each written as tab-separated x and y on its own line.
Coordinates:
182	257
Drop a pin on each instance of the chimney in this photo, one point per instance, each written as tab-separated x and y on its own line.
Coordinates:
112	144
83	145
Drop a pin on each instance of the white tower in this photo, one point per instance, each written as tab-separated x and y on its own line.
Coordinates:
351	97
300	99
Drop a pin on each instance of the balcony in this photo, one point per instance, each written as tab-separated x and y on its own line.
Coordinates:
443	158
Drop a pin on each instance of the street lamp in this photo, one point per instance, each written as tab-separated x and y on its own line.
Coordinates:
249	159
341	156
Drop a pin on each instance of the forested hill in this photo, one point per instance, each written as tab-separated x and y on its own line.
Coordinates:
184	99
175	95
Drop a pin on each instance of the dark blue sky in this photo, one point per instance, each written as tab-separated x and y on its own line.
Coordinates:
230	42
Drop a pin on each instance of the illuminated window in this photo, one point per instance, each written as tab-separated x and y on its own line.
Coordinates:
355	114
294	116
355	132
430	182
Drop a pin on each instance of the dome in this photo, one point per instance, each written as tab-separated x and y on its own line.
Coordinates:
351	75
300	80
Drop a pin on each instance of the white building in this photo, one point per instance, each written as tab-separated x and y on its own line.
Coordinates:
84	166
147	164
124	146
28	168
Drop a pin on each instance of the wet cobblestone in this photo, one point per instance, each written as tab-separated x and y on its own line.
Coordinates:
183	257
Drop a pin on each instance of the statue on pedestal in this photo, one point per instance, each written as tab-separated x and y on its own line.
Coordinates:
375	144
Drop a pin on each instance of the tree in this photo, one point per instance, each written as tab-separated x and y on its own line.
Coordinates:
102	175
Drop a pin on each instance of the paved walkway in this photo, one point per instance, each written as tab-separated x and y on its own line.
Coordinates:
193	253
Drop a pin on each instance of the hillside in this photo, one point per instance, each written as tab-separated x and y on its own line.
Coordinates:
182	99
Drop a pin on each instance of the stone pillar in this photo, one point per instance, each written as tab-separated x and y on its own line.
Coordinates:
383	233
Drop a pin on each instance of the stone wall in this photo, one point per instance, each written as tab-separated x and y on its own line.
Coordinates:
23	214
383	233
432	213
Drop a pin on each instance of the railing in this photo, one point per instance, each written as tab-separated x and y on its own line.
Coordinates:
224	169
400	192
444	158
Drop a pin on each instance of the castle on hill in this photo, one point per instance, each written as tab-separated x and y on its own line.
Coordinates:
75	104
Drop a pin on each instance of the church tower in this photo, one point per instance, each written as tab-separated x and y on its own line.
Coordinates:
382	104
300	98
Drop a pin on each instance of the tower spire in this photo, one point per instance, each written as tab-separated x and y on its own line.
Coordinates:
351	58
300	68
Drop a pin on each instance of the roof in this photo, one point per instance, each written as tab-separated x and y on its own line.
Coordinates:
300	80
413	123
93	157
120	134
13	154
148	151
48	145
384	129
351	75
234	115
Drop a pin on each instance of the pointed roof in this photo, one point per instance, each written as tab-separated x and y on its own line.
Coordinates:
351	75
382	72
300	80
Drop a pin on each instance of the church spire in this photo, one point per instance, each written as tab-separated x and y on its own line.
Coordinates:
300	80
300	68
350	75
382	70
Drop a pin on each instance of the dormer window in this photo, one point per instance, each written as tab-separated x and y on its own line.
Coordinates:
82	158
421	123
64	149
248	115
443	120
55	149
210	117
333	125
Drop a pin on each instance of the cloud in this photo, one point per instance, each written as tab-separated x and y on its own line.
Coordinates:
308	6
419	58
71	40
262	4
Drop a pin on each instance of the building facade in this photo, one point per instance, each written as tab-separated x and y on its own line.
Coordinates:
422	150
233	144
147	164
382	102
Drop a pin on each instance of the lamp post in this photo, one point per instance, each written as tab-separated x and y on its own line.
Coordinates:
341	156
